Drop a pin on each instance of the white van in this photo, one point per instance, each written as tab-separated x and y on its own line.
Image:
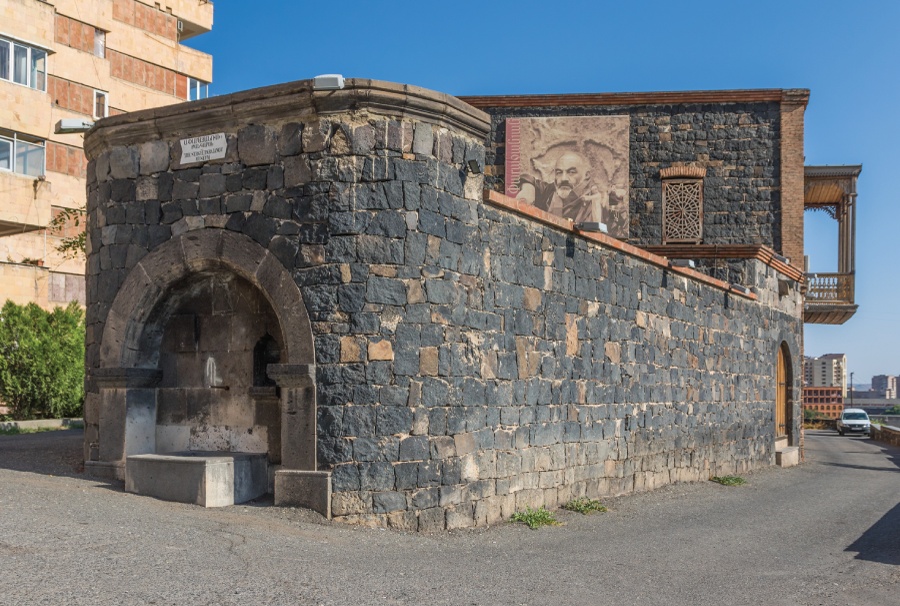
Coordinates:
854	420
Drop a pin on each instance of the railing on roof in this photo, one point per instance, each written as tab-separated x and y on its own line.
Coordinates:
825	289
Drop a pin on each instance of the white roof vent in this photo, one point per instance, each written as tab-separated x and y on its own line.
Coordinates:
328	82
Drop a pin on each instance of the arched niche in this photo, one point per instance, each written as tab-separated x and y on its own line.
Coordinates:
241	293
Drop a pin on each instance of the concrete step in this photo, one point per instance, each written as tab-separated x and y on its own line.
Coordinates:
787	457
208	479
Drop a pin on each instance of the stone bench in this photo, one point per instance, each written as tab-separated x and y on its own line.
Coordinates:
208	479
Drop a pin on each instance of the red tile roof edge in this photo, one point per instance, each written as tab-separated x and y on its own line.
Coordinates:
800	96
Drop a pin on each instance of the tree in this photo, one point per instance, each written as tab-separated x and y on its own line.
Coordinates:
893	411
70	246
812	415
42	360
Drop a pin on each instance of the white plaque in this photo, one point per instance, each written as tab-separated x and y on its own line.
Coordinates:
203	149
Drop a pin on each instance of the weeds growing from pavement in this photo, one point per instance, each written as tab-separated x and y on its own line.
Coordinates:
729	480
535	518
585	505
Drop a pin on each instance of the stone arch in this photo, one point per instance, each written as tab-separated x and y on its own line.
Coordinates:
134	325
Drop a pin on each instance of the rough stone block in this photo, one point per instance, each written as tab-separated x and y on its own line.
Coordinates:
309	489
124	163
386	502
414	448
316	136
431	520
256	145
460	516
154	157
403	521
423	141
381	350
350	503
211	185
290	139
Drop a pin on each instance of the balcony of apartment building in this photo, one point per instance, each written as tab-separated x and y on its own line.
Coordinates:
830	297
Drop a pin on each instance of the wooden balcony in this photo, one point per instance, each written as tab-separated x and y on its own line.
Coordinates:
829	298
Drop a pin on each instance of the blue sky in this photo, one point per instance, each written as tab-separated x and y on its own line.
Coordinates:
845	53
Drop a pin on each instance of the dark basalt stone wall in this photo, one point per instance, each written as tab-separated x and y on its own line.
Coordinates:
469	361
738	144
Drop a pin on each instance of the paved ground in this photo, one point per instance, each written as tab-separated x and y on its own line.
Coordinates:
827	532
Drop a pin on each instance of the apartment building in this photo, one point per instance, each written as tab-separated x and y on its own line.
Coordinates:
829	370
825	400
81	60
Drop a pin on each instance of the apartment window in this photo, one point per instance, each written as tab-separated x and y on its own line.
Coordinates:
21	154
100	43
23	64
197	89
101	101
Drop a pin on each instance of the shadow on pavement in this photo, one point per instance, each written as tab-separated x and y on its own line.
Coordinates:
879	543
833	434
50	453
863	466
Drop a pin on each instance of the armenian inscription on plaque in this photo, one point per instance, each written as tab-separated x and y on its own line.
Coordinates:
203	149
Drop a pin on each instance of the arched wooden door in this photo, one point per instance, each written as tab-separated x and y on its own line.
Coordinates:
782	401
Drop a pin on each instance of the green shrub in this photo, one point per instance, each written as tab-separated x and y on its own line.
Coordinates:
812	415
729	480
585	505
534	518
894	410
42	361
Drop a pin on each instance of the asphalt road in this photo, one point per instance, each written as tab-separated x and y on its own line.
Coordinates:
826	532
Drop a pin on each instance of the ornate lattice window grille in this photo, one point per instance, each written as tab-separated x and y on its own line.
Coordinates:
682	210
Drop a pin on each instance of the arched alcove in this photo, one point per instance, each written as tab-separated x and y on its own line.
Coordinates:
178	365
211	361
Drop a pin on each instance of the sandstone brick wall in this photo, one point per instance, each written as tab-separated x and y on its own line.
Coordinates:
738	144
470	361
793	108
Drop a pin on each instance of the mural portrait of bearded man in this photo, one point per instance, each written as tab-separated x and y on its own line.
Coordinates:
572	194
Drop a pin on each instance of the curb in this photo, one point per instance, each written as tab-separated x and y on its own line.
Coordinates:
41	423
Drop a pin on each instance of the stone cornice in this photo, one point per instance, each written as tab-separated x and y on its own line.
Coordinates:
292	101
134	378
792	96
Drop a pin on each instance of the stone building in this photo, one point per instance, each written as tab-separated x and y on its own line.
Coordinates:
336	304
76	60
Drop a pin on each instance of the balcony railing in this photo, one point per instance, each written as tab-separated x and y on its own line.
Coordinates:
825	289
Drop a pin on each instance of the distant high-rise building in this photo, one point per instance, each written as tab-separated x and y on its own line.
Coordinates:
886	385
829	370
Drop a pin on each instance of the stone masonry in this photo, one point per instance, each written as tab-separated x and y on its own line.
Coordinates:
739	145
469	360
